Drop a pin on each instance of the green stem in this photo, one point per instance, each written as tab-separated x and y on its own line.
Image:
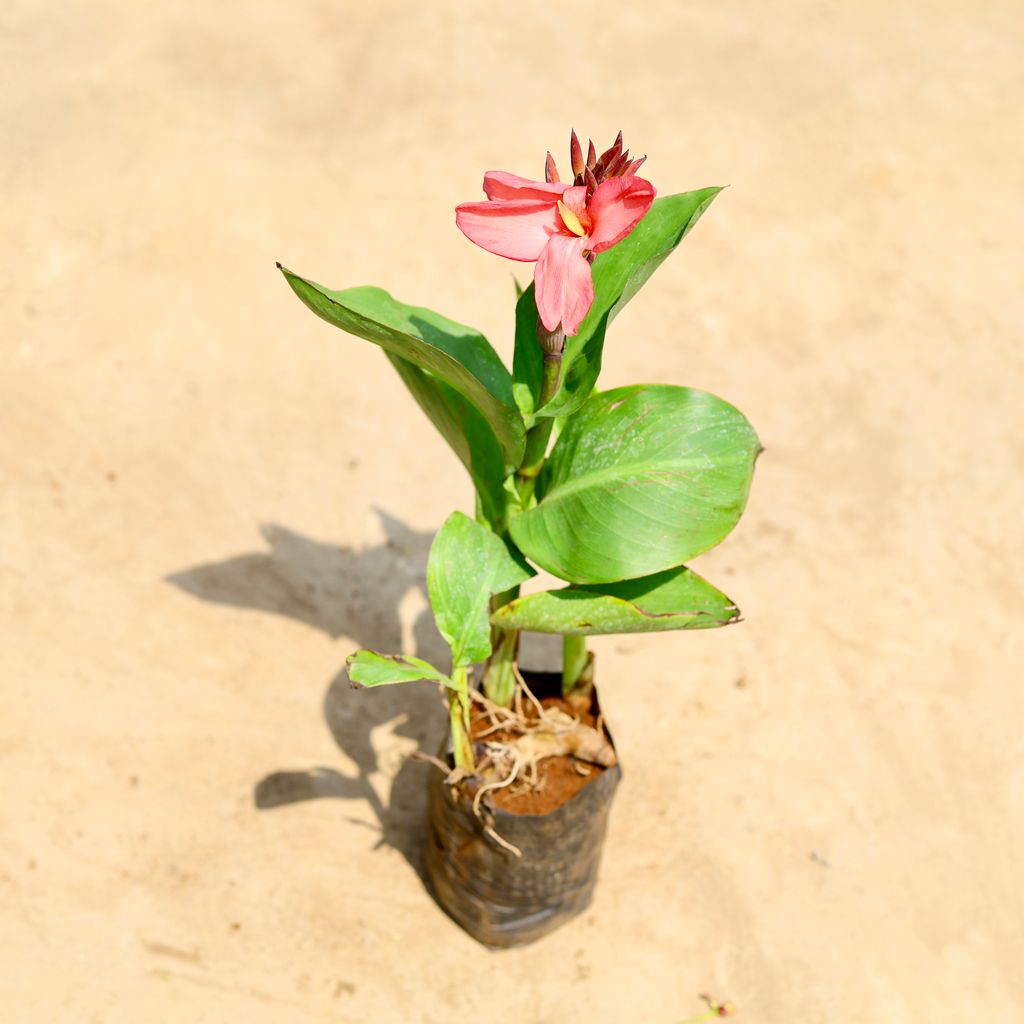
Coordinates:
499	680
458	713
500	675
576	670
538	435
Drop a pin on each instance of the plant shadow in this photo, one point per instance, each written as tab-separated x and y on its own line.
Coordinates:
355	593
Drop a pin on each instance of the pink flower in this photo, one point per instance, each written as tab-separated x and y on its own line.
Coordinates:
560	225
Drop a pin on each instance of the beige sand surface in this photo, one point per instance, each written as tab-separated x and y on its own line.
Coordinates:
209	498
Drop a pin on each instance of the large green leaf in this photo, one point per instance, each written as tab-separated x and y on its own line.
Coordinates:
468	563
618	273
466	431
674	599
458	355
368	668
641	479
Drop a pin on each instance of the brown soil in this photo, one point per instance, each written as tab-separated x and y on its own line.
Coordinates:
559	778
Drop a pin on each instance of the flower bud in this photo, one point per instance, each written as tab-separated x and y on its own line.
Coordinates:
576	154
550	170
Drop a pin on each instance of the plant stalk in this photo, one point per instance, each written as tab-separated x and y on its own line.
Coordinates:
576	664
538	435
499	680
458	712
500	675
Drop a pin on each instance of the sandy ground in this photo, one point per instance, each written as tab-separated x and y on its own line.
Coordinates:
209	498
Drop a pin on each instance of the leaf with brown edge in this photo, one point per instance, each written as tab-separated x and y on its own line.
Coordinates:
674	599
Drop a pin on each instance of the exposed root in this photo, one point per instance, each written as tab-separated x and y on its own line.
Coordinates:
562	734
515	740
526	739
419	755
523	688
457	775
511	777
489	830
581	695
452	776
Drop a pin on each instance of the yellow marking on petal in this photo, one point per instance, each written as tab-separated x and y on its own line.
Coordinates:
570	220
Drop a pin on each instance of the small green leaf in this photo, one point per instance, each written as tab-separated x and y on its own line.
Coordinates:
368	668
674	599
641	479
618	274
468	563
466	431
458	355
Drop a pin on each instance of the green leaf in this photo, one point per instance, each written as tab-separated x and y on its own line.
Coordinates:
458	355
466	431
618	274
674	599
468	563
527	359
641	479
368	668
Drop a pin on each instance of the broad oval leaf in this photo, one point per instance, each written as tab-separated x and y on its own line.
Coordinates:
458	355
467	564
368	668
468	434
618	273
641	479
674	599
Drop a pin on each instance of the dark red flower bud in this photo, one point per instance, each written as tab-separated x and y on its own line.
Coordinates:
550	170
608	156
614	162
618	165
576	155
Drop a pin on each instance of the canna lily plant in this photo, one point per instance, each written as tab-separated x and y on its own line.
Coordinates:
612	492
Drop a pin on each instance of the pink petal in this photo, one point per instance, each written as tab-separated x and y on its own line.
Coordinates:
502	185
615	208
517	230
565	289
576	199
